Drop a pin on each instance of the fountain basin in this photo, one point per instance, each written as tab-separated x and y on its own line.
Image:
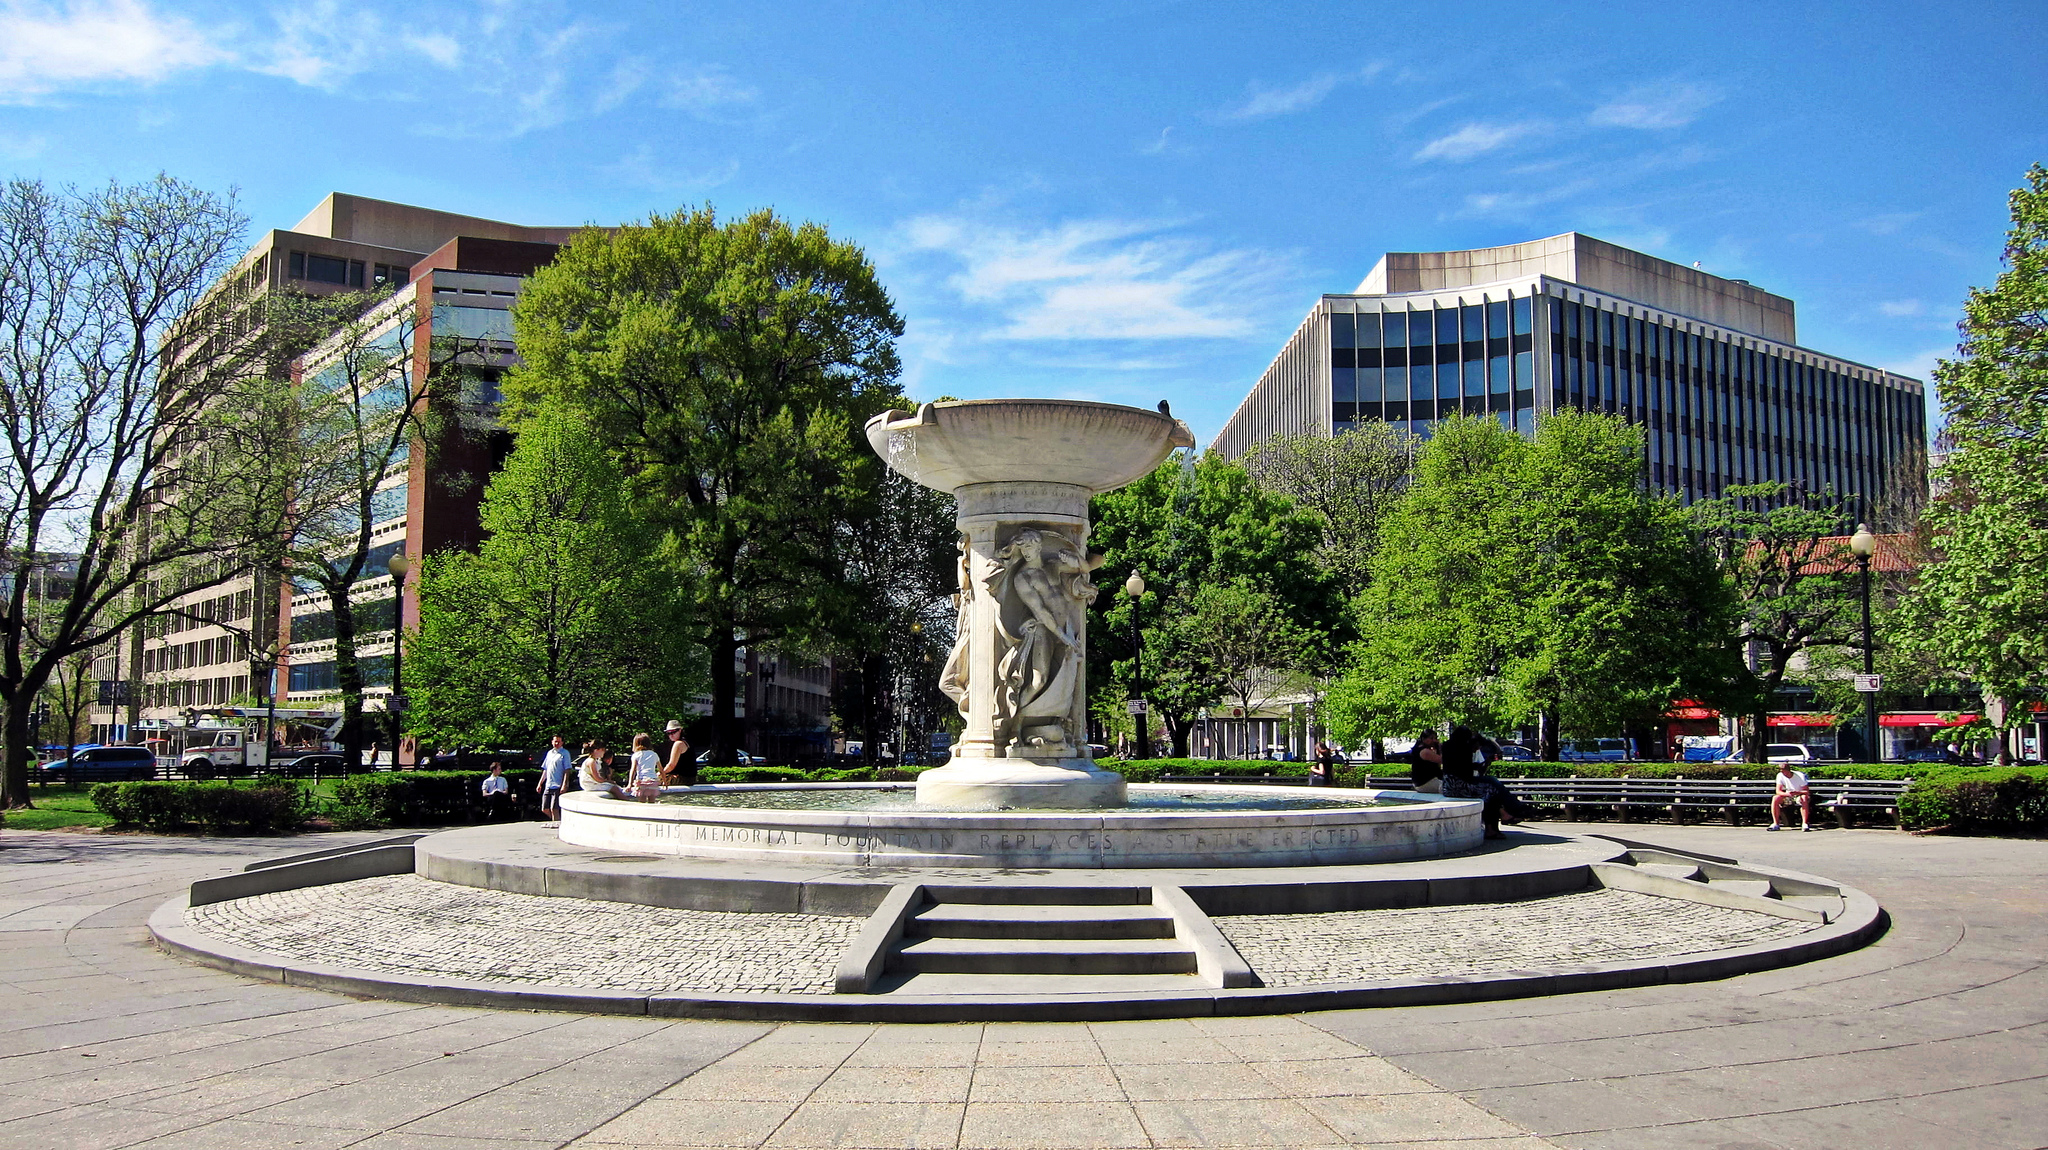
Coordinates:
1059	442
1358	827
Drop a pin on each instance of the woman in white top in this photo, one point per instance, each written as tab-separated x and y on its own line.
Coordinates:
646	769
596	778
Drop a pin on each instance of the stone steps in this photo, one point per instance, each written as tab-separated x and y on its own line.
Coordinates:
1053	940
1025	920
1044	956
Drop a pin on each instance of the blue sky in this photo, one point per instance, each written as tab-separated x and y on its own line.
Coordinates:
1123	201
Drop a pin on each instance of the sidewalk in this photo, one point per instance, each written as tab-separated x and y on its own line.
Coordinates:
1937	1034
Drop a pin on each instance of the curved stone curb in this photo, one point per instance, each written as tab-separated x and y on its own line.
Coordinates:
1861	922
524	859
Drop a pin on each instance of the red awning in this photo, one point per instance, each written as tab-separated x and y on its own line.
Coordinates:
1804	720
1690	709
1924	719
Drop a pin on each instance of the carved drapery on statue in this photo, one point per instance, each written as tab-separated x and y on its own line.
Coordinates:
1042	591
953	677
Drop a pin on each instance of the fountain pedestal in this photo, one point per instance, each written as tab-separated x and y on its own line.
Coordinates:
1023	471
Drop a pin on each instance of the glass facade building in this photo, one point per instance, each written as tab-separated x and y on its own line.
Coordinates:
1710	368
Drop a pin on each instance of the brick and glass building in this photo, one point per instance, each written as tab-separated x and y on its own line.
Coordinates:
1711	368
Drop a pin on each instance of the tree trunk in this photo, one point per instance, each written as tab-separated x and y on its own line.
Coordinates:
15	735
1546	737
1177	730
348	679
1759	735
725	731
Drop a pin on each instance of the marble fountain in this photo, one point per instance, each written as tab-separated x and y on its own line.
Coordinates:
1022	880
1021	789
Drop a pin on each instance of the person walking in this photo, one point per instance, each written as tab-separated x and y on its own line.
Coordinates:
497	791
554	775
681	769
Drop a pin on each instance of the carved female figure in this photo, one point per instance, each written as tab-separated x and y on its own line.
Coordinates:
1043	588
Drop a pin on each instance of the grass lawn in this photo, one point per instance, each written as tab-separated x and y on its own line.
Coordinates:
72	806
58	807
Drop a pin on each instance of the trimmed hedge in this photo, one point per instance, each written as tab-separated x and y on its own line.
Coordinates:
1349	774
214	808
423	798
1995	800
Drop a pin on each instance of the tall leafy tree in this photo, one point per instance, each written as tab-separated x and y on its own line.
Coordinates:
1534	581
1981	606
116	336
564	621
334	434
1193	524
732	365
1351	481
901	562
1784	552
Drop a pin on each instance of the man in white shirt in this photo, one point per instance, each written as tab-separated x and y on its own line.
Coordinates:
1792	788
554	774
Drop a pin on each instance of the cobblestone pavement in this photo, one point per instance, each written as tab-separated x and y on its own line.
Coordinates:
1935	1035
1564	930
405	923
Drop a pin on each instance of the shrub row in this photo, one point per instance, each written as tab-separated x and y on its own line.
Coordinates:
214	808
423	798
1978	800
1352	774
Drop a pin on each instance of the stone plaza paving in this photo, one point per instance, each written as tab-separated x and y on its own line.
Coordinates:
406	924
1935	1035
1490	938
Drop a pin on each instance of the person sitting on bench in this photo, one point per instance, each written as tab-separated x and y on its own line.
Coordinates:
1792	788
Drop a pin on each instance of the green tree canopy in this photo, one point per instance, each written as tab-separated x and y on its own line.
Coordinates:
1783	553
731	365
1351	481
1981	607
1533	581
564	622
1194	524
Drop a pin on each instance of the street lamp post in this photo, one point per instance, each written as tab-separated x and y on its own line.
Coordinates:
1864	544
271	655
1135	588
399	566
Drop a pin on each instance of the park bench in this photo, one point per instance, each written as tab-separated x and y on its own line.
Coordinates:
1734	800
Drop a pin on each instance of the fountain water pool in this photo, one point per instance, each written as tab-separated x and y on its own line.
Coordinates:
871	825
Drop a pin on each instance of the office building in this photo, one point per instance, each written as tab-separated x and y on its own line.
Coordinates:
1711	368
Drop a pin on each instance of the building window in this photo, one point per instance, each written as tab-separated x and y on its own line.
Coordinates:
391	275
317	268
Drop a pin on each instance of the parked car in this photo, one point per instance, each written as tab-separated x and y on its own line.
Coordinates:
101	765
322	765
1516	753
1595	751
746	760
1930	755
1789	753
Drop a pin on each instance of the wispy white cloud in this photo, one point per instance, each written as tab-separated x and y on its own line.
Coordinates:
1920	365
1159	146
1477	139
50	48
707	90
517	68
1665	104
1900	308
1888	224
1095	279
643	168
1262	103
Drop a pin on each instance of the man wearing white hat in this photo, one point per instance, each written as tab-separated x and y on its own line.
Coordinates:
681	770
